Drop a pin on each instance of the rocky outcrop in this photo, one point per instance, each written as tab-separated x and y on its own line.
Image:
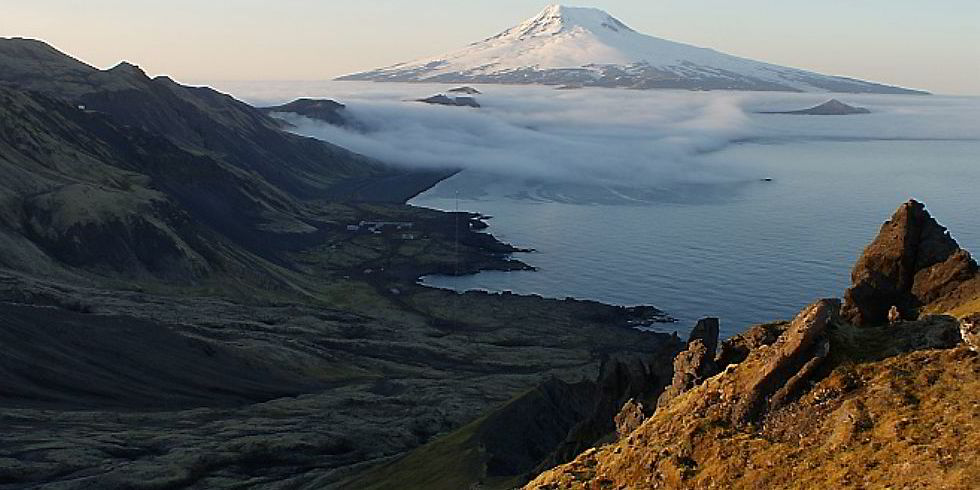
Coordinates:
695	364
911	263
629	418
824	403
737	348
789	362
663	449
691	368
707	331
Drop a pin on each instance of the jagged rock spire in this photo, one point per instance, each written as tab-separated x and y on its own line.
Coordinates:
912	262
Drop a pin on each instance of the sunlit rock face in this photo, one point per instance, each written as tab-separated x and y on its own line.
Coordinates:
911	263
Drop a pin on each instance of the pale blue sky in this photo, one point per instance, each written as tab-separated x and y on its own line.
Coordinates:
933	45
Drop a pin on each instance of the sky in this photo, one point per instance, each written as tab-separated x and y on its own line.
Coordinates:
931	45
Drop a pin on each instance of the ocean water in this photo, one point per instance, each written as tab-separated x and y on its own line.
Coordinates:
659	197
748	253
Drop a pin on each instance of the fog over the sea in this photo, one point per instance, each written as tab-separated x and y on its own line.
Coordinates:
623	138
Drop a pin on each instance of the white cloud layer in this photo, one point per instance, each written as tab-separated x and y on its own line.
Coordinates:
603	136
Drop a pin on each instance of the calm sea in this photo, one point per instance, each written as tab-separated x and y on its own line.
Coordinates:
747	253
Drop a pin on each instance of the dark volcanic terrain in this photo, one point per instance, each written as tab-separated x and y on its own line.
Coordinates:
191	296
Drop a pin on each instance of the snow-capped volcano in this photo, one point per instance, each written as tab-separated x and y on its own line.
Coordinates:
586	46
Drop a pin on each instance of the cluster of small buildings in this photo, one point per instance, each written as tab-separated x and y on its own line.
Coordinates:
404	229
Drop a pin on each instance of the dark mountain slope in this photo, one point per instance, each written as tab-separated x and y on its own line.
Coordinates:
74	193
113	170
537	430
196	119
92	194
65	363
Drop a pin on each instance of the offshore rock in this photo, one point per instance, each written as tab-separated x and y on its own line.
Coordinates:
832	107
442	99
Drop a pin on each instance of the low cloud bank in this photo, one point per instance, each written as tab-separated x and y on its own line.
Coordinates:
604	136
581	137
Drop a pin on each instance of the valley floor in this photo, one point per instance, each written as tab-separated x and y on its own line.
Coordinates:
165	387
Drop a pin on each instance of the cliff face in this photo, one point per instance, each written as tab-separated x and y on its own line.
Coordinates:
829	400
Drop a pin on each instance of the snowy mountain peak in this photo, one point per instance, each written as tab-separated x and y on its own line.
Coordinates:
588	47
556	19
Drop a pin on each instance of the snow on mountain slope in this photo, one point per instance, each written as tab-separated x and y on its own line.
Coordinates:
588	47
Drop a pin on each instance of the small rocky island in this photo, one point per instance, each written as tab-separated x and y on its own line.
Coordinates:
326	110
465	90
457	101
832	107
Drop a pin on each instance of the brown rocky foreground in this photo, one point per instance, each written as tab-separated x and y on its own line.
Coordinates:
840	397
